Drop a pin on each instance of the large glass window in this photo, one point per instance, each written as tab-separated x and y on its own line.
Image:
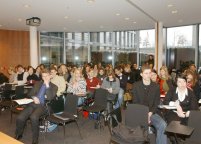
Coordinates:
146	45
101	47
76	48
124	49
52	45
119	46
180	50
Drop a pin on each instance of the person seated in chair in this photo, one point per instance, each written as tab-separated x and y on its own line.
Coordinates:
112	85
123	82
92	83
77	85
21	75
59	81
184	100
147	93
41	93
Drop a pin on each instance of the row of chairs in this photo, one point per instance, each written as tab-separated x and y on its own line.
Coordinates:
70	113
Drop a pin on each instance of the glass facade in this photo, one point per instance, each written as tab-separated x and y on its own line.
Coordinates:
183	45
51	47
180	46
76	48
146	45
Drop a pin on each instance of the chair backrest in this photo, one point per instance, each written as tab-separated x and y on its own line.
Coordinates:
19	92
101	97
57	104
8	87
71	104
194	121
136	115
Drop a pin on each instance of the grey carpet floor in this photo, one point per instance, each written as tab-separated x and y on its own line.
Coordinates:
89	133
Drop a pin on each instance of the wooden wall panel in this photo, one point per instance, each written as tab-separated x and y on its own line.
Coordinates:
14	48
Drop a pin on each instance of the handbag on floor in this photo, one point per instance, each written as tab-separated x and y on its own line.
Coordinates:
137	135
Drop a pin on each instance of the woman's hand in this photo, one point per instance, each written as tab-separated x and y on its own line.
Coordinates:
36	100
180	111
149	117
110	90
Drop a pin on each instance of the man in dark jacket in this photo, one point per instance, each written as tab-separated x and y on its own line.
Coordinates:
147	93
41	93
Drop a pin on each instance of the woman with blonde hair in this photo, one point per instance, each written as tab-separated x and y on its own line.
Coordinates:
77	85
165	81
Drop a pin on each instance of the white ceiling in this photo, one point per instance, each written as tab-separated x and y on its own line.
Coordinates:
99	15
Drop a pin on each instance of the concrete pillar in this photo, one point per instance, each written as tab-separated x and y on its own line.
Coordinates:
34	55
159	59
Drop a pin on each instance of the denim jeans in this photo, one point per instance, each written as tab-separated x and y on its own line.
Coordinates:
160	125
120	98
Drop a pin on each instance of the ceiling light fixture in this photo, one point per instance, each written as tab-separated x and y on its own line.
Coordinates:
90	1
66	17
19	19
134	22
170	5
174	11
127	18
117	14
27	6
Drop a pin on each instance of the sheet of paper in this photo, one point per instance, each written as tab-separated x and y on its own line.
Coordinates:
23	101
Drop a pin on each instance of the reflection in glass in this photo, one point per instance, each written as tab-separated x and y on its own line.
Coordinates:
51	44
146	45
180	48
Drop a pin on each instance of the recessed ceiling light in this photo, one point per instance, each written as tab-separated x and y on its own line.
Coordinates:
27	6
134	22
19	19
117	14
170	5
66	17
90	1
127	18
174	11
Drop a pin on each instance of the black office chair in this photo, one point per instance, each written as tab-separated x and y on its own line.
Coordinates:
137	115
69	114
99	105
18	93
16	108
194	121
